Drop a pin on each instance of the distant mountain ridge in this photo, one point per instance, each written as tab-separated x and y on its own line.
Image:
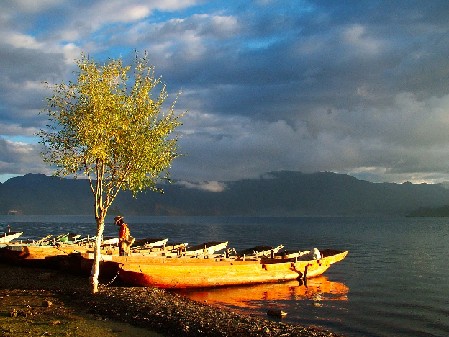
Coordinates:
283	193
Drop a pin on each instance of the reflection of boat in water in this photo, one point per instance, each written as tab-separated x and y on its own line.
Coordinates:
315	289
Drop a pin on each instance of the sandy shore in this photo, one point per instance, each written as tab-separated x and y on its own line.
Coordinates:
118	311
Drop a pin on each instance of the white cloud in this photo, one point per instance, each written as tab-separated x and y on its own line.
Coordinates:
71	52
116	11
189	39
17	130
209	186
17	40
357	36
225	25
20	158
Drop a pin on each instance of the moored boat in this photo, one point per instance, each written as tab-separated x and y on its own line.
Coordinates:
150	243
169	267
206	248
110	242
41	252
203	273
261	251
37	255
9	236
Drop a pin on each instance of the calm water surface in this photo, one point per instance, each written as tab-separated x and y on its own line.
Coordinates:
394	282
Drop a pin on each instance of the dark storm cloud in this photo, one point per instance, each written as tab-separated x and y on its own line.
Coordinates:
24	64
23	72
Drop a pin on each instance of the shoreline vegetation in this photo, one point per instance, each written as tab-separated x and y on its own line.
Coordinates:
47	302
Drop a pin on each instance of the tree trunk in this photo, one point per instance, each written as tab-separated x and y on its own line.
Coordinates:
95	272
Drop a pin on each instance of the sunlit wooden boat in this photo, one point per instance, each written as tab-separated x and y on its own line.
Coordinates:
168	249
142	255
138	244
141	245
205	249
9	236
68	238
261	251
218	272
33	254
110	242
47	250
300	255
150	243
31	251
62	239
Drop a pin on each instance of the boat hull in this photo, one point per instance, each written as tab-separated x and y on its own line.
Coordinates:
205	273
8	237
39	256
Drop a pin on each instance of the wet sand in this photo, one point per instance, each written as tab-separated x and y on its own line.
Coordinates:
119	311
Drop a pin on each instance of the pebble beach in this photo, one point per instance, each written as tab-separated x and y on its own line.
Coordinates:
25	294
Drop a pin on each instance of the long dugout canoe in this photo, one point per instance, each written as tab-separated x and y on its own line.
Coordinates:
205	273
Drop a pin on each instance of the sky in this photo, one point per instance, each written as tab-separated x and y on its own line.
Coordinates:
353	87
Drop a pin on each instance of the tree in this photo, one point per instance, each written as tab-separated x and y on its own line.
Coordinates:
116	135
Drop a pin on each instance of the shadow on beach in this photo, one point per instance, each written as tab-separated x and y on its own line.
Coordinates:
43	302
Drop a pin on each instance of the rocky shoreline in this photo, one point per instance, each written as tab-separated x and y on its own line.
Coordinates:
153	309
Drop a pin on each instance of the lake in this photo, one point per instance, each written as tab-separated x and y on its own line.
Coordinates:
394	282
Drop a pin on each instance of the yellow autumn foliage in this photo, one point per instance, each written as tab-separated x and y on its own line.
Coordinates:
114	132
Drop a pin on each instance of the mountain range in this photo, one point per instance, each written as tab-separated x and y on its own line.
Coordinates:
281	193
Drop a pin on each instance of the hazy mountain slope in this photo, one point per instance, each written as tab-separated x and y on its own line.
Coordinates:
277	194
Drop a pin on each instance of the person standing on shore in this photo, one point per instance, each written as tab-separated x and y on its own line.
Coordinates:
124	237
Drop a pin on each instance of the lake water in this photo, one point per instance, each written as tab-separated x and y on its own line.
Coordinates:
394	282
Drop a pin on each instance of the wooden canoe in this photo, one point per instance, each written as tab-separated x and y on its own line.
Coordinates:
261	251
9	236
207	248
110	242
149	243
178	273
37	255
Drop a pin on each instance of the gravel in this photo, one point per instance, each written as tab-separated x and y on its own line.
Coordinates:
154	309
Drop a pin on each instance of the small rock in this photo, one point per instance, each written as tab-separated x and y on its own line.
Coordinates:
22	313
47	303
276	313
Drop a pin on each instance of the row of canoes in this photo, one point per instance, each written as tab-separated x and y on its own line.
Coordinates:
176	266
